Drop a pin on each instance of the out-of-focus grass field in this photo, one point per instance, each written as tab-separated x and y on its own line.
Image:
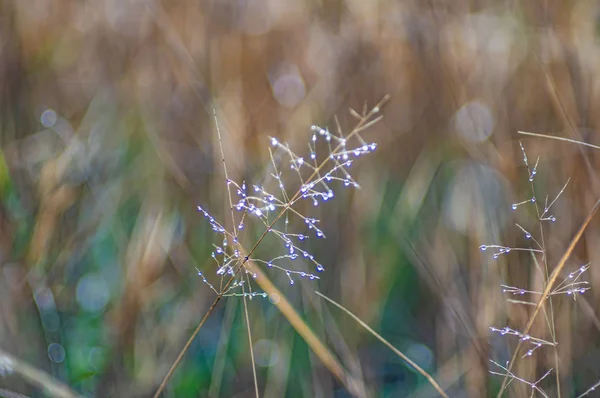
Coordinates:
108	144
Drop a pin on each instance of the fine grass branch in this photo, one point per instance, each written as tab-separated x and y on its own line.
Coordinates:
548	289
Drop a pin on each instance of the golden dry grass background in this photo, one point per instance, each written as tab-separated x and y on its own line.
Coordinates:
100	237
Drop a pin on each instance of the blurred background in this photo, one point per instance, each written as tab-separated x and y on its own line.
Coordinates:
109	144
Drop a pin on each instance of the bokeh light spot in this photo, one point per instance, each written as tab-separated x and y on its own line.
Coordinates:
266	353
56	352
421	354
49	118
474	122
92	292
288	87
476	198
274	298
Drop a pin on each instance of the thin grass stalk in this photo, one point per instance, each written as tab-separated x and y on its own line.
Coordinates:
546	275
250	343
554	137
218	368
431	380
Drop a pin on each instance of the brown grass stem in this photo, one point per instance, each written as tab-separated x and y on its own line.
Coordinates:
554	137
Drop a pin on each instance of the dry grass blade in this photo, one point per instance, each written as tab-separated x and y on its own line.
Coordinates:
326	357
389	345
51	387
548	289
554	137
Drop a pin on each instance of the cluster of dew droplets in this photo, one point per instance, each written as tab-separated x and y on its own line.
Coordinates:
532	173
533	341
259	203
570	286
533	385
499	250
545	216
317	189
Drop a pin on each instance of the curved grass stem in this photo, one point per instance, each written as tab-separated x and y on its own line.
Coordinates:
419	369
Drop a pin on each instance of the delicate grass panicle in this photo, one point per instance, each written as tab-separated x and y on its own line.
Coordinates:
292	178
330	157
571	285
